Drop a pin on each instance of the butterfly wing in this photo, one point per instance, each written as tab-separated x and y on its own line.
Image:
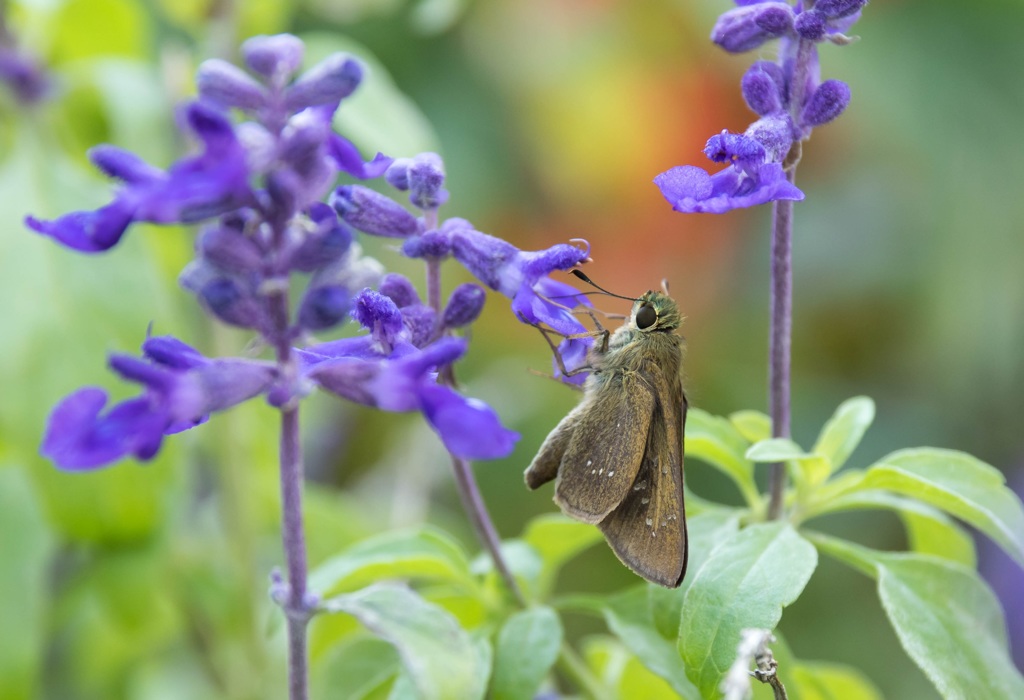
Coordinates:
647	531
606	447
544	466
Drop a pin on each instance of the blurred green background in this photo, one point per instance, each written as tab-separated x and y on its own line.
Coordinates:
552	117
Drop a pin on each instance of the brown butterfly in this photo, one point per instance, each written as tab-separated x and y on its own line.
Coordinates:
617	458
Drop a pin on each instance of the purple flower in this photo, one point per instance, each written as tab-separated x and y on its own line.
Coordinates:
182	387
195	188
522	276
23	75
405	380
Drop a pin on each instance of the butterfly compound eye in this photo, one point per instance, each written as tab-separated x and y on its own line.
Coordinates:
646	316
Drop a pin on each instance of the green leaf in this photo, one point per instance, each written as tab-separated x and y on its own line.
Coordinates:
557	539
629	617
356	669
425	553
775	450
812	469
442	659
716	441
621	674
931	532
959	484
527	648
704	533
25	550
754	426
828	681
744	583
844	430
946	617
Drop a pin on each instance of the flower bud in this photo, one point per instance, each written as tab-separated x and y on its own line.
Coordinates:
276	57
748	27
323	246
426	181
399	289
227	248
827	103
372	212
432	244
227	300
763	88
464	305
329	81
397	174
228	85
323	307
810	25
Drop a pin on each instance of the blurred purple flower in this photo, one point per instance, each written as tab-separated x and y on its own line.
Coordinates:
195	188
182	387
24	76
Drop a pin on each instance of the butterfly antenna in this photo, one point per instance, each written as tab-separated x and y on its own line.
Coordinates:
589	281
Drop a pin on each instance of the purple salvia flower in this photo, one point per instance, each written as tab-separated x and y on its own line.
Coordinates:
691	189
373	213
468	428
182	388
522	276
194	188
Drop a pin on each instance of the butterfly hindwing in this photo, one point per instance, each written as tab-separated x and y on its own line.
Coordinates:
647	531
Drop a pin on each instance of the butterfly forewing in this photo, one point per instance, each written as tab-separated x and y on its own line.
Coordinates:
604	453
647	530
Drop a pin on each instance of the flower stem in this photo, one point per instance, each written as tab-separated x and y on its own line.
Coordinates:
465	481
781	329
473	502
297	609
780	341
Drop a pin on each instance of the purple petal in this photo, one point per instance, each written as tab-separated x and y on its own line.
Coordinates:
88	231
488	258
573	352
124	165
78	438
683	184
562	256
469	428
171	352
348	159
532	308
